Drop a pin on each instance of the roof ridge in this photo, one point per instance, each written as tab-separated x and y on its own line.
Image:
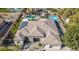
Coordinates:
54	35
36	28
52	30
51	36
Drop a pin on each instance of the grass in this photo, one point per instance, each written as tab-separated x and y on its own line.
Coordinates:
37	46
4	10
18	46
16	26
6	49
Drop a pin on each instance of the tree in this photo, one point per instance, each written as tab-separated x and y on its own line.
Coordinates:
52	9
71	37
75	18
67	12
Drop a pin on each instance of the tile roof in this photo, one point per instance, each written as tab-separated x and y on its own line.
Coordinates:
52	40
1	21
39	28
37	32
44	26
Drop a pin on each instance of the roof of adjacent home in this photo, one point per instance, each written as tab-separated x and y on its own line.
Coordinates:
1	21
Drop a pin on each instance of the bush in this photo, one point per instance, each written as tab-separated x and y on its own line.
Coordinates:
71	37
40	44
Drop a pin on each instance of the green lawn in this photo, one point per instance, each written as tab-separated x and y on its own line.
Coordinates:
5	49
16	26
4	10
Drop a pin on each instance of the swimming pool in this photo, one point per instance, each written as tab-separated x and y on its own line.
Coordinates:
32	17
56	19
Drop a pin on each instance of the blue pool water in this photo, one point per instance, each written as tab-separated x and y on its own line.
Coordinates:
59	28
31	16
55	18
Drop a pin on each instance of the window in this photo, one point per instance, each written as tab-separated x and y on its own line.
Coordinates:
51	46
44	34
36	39
26	40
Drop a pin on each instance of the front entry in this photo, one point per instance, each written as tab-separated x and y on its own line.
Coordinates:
36	39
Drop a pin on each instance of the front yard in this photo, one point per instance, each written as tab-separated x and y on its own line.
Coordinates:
10	48
5	49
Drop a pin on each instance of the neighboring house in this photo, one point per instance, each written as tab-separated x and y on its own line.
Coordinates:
1	22
43	31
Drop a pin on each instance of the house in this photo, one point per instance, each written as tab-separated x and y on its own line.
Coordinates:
44	31
1	22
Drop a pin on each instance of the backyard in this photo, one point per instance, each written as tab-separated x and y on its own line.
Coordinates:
15	26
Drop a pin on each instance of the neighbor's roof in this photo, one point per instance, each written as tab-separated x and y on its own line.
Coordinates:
1	21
